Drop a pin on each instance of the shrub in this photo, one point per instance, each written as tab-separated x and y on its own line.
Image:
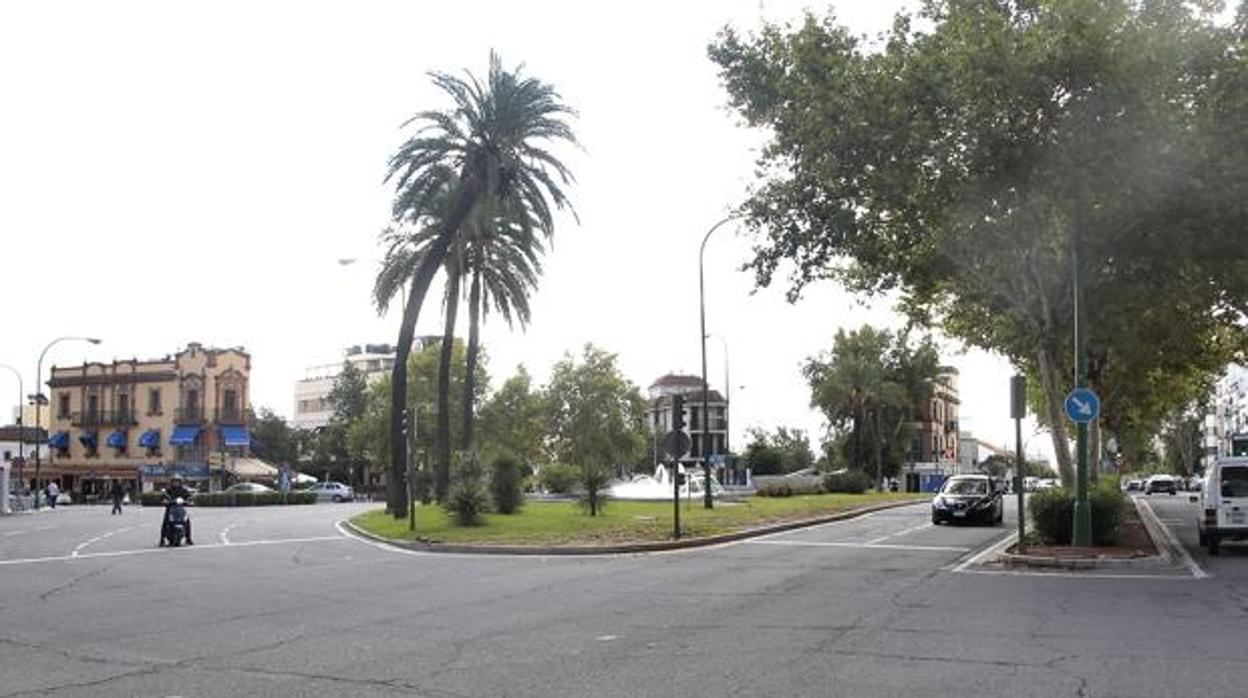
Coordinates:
774	489
848	482
505	484
236	499
592	483
1053	511
467	501
558	479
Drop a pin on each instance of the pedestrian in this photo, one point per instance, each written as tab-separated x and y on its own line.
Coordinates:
54	493
119	493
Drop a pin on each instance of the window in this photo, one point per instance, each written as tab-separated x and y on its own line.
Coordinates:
63	406
153	400
93	407
123	407
230	408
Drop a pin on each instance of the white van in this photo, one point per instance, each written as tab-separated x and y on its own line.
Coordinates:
1224	503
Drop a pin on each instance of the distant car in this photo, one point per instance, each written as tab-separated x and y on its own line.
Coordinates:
1134	486
968	498
332	491
1159	483
253	487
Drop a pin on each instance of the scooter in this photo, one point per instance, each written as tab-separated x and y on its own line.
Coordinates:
175	529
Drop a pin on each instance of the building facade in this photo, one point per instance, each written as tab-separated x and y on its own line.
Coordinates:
934	443
1226	424
143	422
659	414
312	407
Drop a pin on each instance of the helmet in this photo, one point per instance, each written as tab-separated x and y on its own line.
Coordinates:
179	501
175	478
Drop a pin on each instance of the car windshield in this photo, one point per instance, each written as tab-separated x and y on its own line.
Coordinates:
966	487
1235	482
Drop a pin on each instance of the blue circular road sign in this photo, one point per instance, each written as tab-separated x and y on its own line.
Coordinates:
1082	405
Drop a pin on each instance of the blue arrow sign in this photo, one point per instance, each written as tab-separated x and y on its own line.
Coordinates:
1082	405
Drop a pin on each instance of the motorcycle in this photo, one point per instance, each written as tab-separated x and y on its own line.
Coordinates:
175	527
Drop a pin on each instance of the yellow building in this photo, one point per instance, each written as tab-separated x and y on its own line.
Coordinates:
145	421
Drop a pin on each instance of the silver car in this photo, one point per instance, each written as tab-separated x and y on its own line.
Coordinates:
332	491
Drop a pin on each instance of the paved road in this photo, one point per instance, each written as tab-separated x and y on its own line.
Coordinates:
869	607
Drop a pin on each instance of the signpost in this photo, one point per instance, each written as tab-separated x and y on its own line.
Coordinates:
1018	410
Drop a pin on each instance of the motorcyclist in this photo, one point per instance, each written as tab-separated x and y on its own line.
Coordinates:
174	492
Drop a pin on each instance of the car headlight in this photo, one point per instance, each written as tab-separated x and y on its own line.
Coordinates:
939	502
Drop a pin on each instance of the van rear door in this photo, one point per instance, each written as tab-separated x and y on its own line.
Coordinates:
1233	502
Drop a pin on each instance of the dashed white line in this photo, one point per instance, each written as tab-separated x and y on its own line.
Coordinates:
79	548
865	546
881	539
225	533
169	551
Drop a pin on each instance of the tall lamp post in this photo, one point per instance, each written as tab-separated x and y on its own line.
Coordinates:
39	399
21	432
708	500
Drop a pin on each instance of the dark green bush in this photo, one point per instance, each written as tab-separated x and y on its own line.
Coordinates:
505	484
1053	511
236	499
467	501
774	489
559	479
848	482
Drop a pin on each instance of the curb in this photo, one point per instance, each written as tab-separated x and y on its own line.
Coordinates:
1151	525
628	548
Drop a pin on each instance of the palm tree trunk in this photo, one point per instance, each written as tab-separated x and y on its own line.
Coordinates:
442	472
396	492
470	375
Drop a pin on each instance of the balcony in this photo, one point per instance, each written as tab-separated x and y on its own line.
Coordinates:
189	415
229	415
191	455
104	418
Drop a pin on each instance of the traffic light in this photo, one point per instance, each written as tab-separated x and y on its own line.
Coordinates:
678	413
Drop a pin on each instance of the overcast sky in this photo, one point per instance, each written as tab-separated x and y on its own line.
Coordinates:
176	172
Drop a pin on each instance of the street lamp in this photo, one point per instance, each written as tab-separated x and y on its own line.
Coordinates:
21	433
39	400
709	501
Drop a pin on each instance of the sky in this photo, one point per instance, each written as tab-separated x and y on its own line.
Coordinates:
178	172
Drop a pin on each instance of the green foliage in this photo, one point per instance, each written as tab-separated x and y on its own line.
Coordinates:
847	482
593	413
272	438
968	161
592	481
512	420
467	499
236	499
505	484
788	489
783	452
1052	512
558	478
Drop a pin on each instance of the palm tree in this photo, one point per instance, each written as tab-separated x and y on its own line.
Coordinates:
488	145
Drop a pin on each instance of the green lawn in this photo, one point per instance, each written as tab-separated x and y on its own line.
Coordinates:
564	523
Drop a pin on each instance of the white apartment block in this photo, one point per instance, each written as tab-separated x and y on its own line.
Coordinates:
312	407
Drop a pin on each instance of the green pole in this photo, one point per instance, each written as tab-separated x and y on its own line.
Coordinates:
1082	533
879	466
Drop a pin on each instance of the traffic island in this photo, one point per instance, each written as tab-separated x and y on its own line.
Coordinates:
550	528
1139	543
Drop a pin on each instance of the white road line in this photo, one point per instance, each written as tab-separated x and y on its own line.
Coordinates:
881	539
1197	571
816	527
993	548
79	548
867	546
225	533
168	551
14	533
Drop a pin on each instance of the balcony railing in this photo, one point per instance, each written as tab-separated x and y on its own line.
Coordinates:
189	415
104	418
230	415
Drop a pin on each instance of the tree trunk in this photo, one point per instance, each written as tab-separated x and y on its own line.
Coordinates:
442	471
1053	398
470	376
396	492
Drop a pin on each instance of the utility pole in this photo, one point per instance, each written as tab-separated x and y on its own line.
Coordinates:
706	435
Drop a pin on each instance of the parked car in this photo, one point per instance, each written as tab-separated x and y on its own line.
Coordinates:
968	498
254	487
1161	483
1223	503
332	491
1133	485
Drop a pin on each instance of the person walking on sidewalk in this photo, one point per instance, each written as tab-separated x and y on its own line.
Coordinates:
119	493
54	493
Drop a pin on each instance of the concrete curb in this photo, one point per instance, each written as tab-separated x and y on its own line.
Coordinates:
1151	525
628	548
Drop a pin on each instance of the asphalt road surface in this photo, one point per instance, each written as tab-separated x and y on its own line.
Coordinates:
279	602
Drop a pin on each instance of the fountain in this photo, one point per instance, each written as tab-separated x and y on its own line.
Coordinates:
659	486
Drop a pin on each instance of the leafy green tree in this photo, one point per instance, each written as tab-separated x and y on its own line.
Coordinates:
784	451
869	370
971	161
348	397
595	419
512	420
492	144
272	438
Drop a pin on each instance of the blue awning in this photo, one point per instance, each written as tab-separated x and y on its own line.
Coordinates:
184	436
117	439
150	439
59	440
89	439
235	436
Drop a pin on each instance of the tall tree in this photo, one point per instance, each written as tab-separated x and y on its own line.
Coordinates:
492	143
349	398
972	161
272	438
513	420
784	451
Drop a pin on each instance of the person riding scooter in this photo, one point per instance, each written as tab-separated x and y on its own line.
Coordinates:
174	492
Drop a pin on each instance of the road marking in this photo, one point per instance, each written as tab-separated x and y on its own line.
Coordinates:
14	533
869	546
225	533
79	548
816	527
881	539
1175	545
146	551
992	548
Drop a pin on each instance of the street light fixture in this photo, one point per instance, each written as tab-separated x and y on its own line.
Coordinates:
39	400
708	500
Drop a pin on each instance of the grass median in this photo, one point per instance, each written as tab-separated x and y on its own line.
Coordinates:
565	523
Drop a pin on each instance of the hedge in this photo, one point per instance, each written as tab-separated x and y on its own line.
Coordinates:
788	489
236	499
848	482
1052	512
